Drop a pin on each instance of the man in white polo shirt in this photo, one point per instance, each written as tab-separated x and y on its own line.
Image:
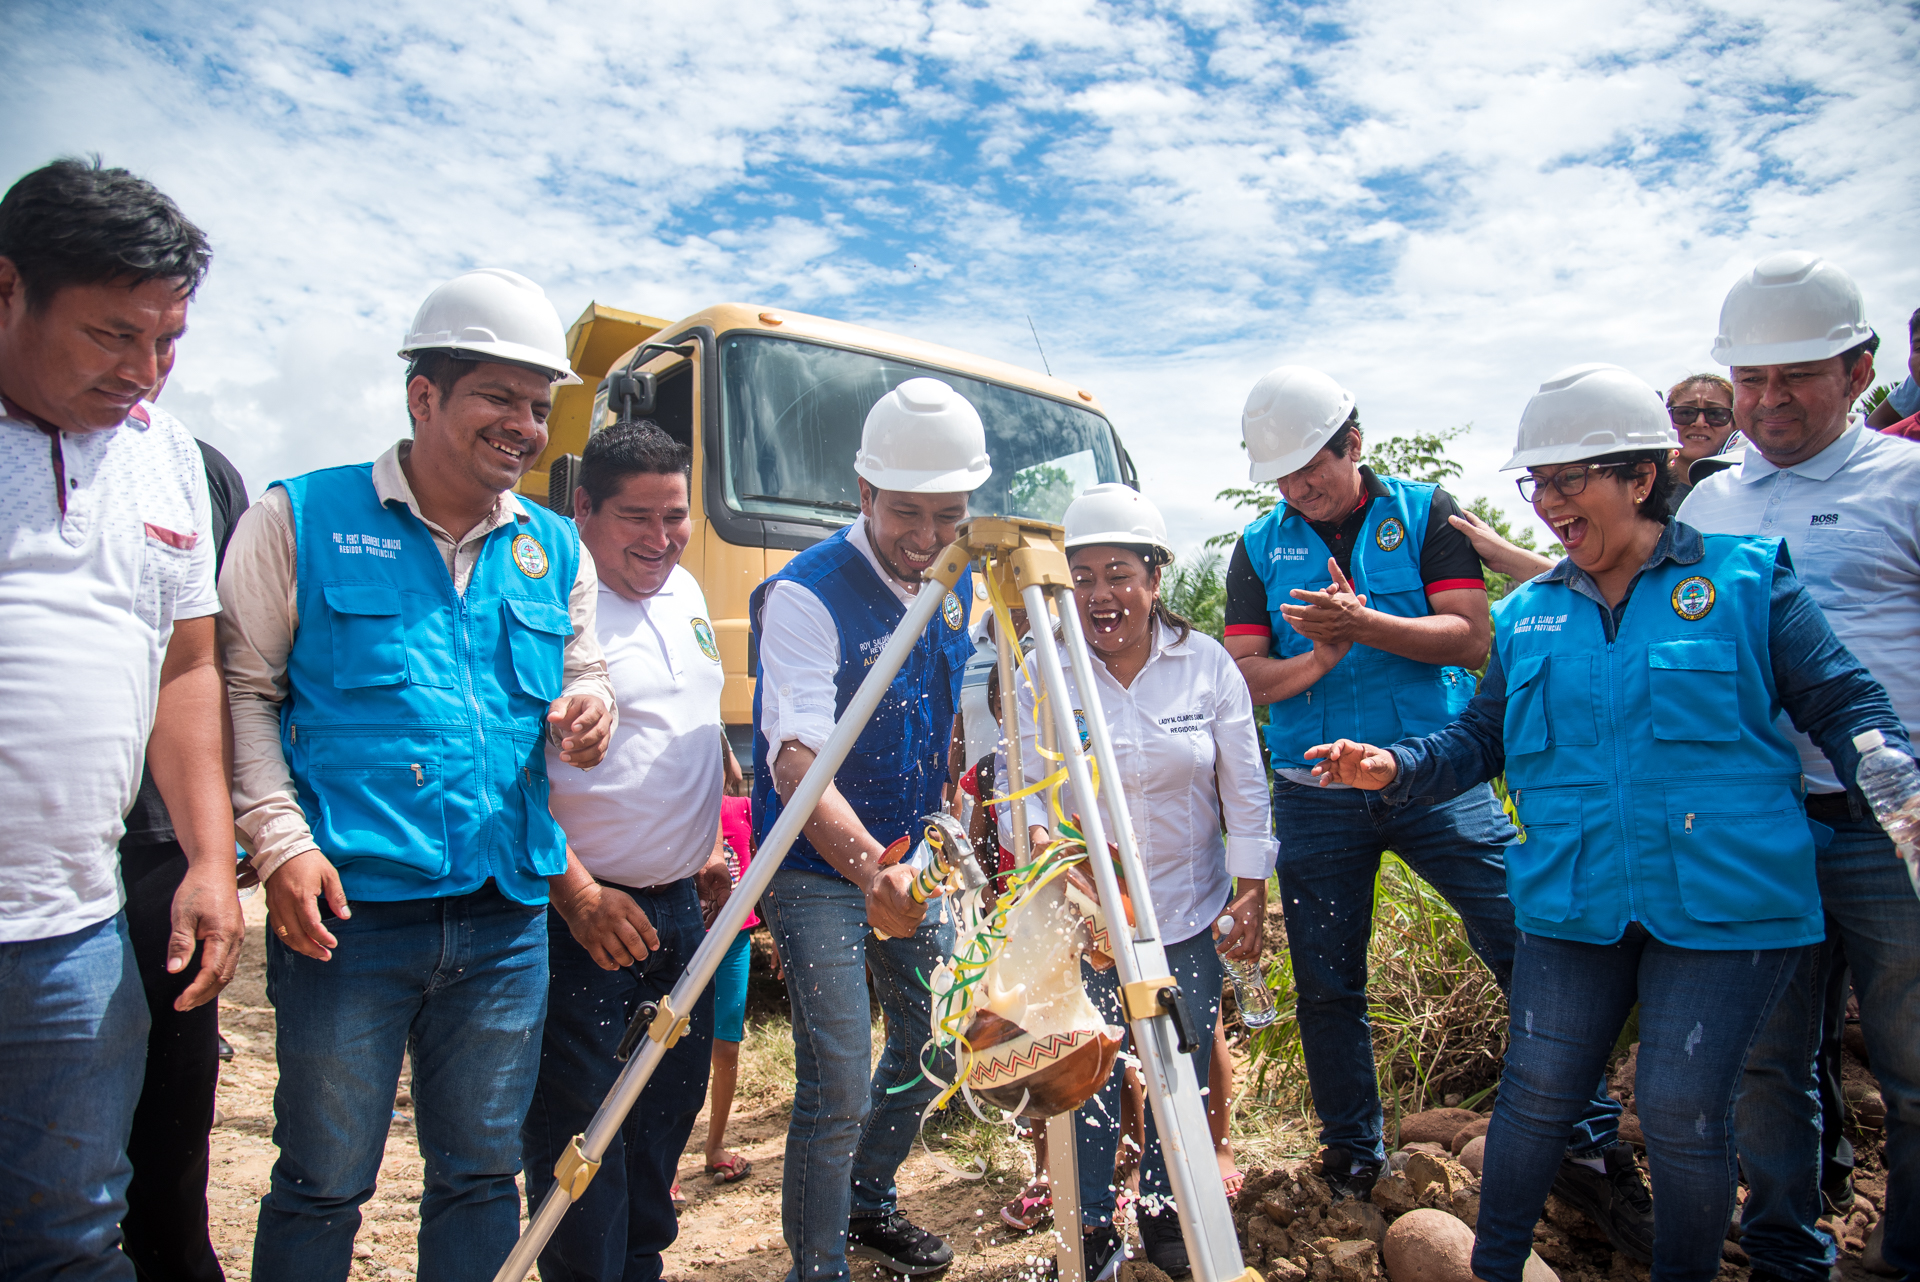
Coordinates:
1847	501
106	651
643	860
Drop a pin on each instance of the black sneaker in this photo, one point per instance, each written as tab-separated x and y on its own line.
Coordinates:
1349	1176
1617	1201
893	1242
1101	1253
1163	1244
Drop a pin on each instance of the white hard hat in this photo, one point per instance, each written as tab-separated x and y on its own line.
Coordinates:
1589	411
1793	306
1291	412
1116	513
493	315
923	438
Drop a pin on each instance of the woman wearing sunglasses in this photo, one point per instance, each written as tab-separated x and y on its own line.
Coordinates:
1701	409
1631	701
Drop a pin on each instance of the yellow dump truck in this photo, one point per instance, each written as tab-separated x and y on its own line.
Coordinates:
771	403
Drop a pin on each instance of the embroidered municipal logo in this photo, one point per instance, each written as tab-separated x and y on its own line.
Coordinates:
951	611
1390	534
1080	724
1693	598
530	556
703	633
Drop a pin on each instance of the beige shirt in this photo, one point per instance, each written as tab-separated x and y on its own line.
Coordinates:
259	601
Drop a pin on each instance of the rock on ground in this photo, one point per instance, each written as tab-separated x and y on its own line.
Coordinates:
1474	1153
1434	1125
1472	1129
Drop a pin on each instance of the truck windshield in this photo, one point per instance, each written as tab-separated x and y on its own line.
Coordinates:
791	426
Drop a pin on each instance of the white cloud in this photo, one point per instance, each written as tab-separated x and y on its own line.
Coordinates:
1441	206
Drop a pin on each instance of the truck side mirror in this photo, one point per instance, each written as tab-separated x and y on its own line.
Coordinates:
630	395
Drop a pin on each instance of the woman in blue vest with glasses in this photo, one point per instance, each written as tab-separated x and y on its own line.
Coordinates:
1631	699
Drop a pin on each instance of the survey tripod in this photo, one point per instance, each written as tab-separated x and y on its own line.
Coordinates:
1022	559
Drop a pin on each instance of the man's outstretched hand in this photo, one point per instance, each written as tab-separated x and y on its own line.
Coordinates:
1359	765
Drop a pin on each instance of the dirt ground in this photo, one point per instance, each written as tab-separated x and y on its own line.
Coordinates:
731	1233
728	1233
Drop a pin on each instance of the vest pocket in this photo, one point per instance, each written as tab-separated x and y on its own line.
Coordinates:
1693	684
546	845
539	632
1526	727
394	811
369	638
1541	870
1741	853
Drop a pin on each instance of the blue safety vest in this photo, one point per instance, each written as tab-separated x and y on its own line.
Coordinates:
1650	777
898	766
415	717
1370	696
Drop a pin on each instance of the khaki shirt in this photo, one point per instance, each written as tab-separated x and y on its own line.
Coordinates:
259	601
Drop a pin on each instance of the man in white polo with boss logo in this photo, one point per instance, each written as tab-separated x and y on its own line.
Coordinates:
645	870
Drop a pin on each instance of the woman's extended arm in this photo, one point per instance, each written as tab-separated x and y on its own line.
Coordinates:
1444	764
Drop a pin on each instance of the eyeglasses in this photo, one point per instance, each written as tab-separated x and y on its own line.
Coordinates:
1570	481
1683	415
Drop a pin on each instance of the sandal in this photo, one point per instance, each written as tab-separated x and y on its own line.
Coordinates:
1235	1181
1123	1208
730	1169
1030	1210
678	1198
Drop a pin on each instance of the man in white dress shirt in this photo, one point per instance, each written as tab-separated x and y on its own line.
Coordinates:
1847	501
643	853
818	625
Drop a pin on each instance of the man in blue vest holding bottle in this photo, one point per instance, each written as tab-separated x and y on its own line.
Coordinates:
401	639
1356	606
836	914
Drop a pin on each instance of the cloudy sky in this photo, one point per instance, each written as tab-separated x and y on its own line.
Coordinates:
1440	204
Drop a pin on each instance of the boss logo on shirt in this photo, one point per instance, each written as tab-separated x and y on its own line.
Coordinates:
1390	535
1693	598
703	634
950	611
530	556
1825	518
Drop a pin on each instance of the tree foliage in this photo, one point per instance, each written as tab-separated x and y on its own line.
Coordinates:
1196	590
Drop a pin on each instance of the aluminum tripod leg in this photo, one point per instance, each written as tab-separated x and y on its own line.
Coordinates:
582	1159
1063	1178
1173	1091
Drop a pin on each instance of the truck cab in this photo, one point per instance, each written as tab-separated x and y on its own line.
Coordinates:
771	403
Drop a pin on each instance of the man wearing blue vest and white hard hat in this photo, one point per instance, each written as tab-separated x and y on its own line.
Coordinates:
818	625
1794	334
400	638
1355	609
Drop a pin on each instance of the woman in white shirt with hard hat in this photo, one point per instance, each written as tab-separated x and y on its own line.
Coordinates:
1188	762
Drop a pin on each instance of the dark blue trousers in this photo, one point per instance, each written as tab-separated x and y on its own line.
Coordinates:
616	1232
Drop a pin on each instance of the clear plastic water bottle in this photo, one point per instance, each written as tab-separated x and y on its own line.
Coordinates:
1249	985
1892	784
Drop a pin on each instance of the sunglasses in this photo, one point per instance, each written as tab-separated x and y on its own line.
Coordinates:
1684	415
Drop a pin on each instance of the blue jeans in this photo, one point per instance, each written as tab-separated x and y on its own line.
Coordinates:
460	985
1096	1124
1331	840
617	1231
849	1134
73	1039
1699	1014
1873	915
